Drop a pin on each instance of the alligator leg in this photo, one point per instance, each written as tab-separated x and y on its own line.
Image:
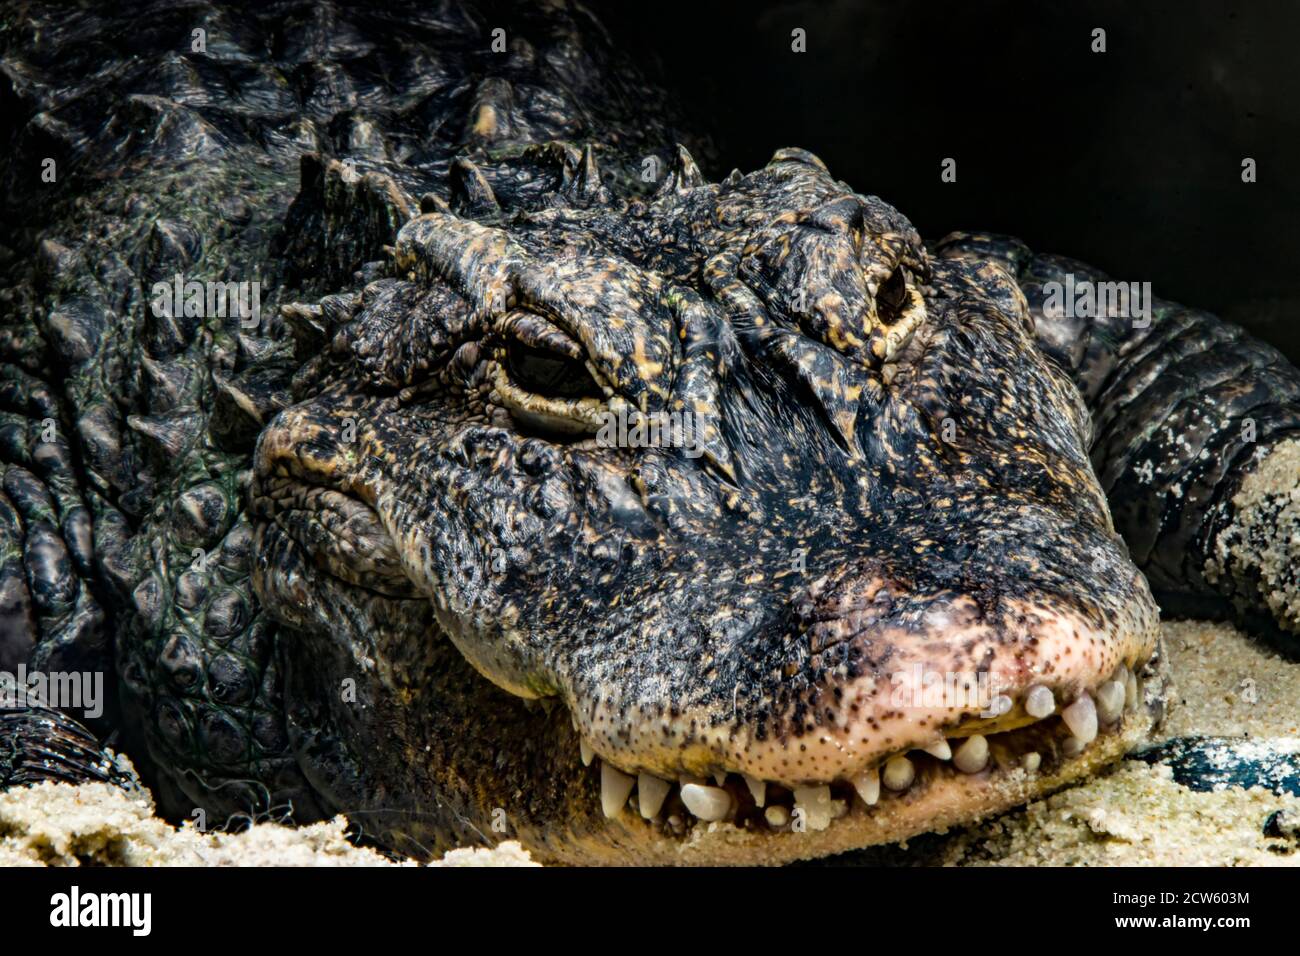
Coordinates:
55	648
1196	434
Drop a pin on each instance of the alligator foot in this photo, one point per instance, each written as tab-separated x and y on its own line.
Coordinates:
38	744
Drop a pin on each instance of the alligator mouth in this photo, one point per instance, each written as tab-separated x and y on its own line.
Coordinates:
988	765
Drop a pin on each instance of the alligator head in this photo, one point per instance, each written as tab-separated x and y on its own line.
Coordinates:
724	525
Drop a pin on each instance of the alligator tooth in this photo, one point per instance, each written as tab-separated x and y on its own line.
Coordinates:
973	755
1081	718
815	802
939	749
651	792
758	788
999	705
1031	761
1039	702
899	773
1131	694
1073	747
1110	701
839	808
720	777
868	786
707	803
776	816
615	788
587	753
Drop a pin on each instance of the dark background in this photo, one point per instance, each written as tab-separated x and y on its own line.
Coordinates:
1129	160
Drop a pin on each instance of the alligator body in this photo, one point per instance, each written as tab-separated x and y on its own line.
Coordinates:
543	489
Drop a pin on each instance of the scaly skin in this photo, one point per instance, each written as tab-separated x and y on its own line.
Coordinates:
374	556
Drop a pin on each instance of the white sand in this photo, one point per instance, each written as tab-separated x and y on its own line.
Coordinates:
59	824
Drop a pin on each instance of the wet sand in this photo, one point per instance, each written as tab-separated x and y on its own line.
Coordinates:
1227	685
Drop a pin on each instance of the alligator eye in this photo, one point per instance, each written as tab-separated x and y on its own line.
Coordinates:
892	297
548	373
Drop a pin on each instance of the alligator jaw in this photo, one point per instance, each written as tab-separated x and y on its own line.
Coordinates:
1022	765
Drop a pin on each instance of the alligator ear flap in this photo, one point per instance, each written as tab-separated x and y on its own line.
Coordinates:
697	396
697	391
471	193
843	215
582	184
823	372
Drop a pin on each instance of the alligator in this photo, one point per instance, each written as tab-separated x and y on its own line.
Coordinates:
394	410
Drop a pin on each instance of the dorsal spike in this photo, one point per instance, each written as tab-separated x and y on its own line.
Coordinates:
471	194
432	202
245	403
257	395
54	259
687	175
168	382
584	187
307	325
491	114
170	432
74	329
256	349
